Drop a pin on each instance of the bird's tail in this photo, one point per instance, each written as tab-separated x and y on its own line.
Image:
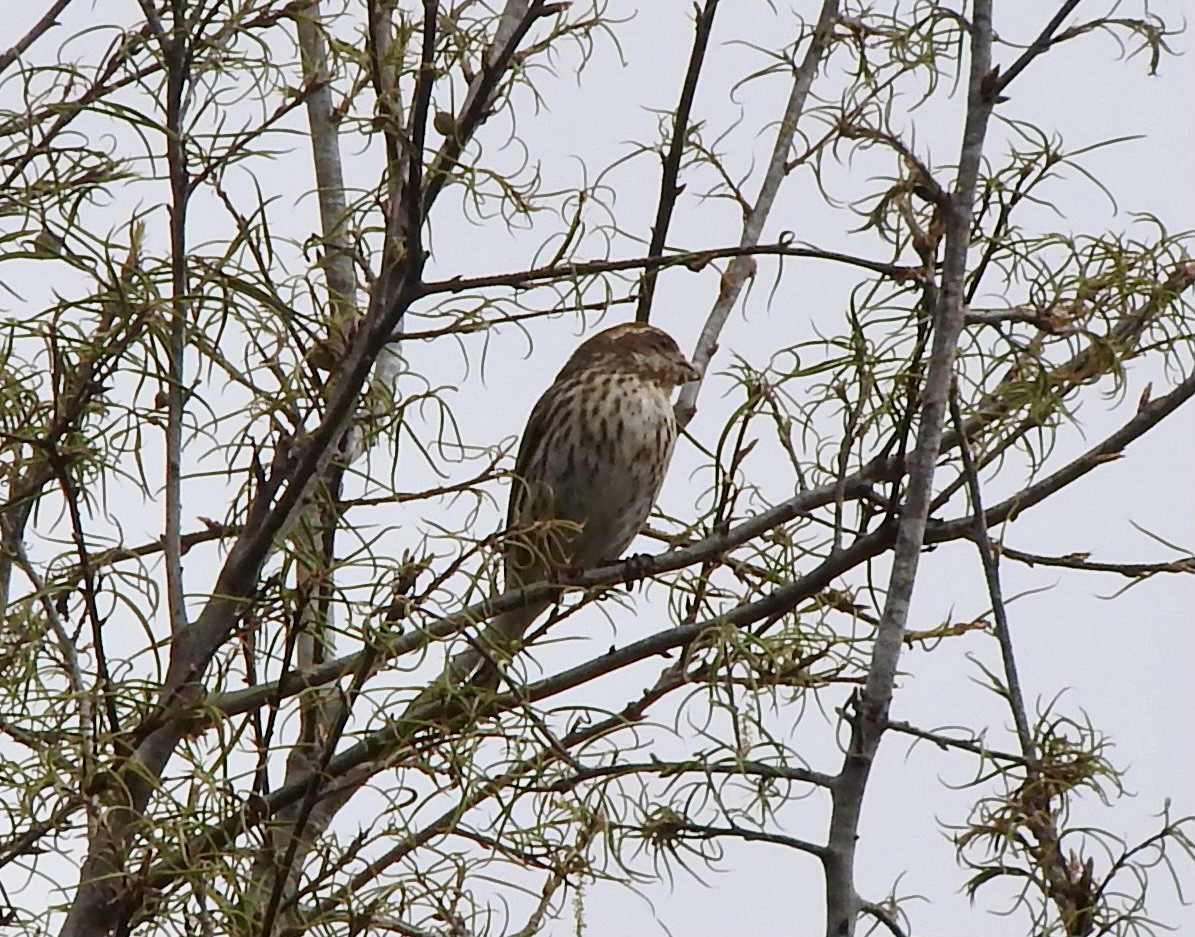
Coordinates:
478	666
488	654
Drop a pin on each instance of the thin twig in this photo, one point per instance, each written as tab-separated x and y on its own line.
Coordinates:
694	260
666	769
1184	564
49	19
991	574
1039	45
974	746
669	178
742	268
884	916
702	831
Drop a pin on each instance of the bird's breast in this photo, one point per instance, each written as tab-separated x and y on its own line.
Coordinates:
608	474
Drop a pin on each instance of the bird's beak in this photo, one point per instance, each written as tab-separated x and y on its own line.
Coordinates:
687	372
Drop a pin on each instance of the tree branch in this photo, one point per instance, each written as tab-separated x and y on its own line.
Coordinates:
871	714
49	19
991	573
1185	564
669	189
1039	45
742	268
694	260
1107	450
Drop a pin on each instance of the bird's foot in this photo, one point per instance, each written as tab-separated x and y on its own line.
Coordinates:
565	574
637	567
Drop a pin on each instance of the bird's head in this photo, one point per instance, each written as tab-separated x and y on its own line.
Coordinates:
638	348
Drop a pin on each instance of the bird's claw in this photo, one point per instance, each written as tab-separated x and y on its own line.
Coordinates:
637	567
565	574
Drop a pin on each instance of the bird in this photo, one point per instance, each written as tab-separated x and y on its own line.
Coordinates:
590	465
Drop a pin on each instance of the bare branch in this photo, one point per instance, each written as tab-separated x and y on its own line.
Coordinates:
48	20
667	769
1107	450
669	178
702	831
871	716
1042	43
1082	561
974	746
884	916
694	260
243	700
991	573
741	269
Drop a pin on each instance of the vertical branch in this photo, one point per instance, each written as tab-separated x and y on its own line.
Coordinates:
70	497
740	269
402	252
516	18
100	905
276	870
308	817
337	261
383	74
416	139
669	189
991	574
871	710
1068	884
19	502
514	21
177	55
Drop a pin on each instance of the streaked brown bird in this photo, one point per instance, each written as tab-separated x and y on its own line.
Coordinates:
591	463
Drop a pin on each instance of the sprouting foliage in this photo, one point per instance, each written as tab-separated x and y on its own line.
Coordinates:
266	272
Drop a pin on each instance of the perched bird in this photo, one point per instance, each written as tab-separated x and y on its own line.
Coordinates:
591	463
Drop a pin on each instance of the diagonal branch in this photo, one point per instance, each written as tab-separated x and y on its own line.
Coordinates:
741	269
669	188
36	31
1107	450
387	746
242	701
991	574
871	715
1045	39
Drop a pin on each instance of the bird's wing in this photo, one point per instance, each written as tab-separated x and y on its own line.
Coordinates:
525	501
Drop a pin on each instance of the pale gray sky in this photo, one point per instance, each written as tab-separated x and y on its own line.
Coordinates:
1125	663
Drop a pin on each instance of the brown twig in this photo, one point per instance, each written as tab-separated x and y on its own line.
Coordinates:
669	178
1184	564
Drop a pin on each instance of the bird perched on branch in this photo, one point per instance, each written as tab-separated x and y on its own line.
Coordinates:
591	463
